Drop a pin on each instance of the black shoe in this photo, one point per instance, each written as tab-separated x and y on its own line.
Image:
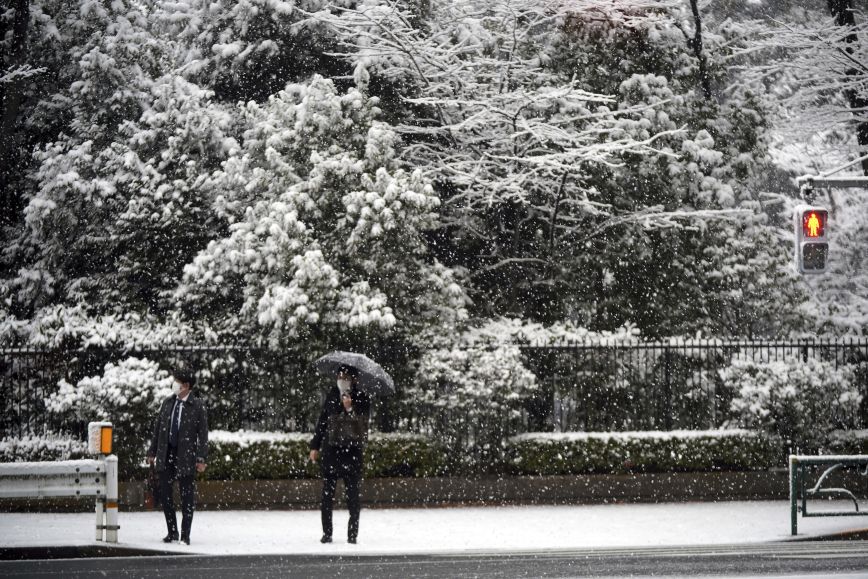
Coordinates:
170	538
351	540
185	540
326	539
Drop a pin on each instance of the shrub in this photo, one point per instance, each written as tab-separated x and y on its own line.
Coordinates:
624	452
43	447
273	455
847	442
398	454
474	397
801	401
128	394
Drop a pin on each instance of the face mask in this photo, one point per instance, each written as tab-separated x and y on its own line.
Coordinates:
344	385
176	388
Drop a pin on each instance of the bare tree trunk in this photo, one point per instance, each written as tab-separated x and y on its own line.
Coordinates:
10	94
10	103
696	44
842	11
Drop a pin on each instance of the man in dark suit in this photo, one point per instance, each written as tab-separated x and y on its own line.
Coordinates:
179	449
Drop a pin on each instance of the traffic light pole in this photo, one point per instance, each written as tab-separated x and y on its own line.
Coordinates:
807	183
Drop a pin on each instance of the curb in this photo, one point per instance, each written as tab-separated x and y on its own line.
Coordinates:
77	552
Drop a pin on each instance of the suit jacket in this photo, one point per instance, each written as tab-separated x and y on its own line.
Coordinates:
192	436
333	407
341	459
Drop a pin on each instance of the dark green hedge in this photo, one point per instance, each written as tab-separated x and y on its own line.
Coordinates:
553	454
249	455
281	457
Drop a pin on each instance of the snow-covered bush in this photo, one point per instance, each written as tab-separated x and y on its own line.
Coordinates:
847	442
128	395
644	451
42	447
803	401
473	396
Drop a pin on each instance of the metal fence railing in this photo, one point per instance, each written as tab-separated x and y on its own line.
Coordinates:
244	388
582	387
638	385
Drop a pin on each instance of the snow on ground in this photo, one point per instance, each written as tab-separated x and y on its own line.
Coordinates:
441	529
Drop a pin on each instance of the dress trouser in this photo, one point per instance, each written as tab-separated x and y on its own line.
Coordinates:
186	484
342	464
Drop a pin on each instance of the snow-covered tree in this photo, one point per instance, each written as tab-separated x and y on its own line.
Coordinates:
813	59
250	49
583	173
114	209
326	228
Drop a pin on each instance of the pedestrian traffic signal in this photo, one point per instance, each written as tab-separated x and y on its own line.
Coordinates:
812	245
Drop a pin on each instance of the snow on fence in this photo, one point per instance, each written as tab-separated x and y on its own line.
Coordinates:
72	478
800	494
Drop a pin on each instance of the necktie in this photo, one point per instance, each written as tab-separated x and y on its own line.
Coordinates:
176	423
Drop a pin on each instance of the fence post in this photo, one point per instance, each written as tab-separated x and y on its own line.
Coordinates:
667	388
239	393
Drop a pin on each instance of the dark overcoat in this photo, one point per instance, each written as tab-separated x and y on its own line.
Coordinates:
344	458
192	436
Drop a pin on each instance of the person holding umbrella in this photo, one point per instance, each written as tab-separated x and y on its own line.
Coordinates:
338	443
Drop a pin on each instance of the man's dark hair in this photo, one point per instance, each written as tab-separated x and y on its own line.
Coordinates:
348	370
185	375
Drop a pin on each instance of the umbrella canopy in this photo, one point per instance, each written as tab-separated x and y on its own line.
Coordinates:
372	378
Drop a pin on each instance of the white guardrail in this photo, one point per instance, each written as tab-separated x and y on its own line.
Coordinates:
73	478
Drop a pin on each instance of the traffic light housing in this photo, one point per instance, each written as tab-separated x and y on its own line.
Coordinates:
812	241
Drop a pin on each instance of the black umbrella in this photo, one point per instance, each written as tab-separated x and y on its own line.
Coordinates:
372	378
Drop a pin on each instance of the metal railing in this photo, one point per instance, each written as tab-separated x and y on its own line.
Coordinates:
601	386
799	470
638	385
84	478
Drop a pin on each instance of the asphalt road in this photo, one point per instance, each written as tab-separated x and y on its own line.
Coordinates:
821	559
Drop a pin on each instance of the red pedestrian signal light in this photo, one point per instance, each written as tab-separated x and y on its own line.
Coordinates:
812	245
814	223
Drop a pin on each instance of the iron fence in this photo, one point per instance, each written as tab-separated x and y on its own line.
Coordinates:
582	387
663	385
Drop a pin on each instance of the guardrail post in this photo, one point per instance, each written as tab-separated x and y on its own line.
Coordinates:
100	517
111	499
794	510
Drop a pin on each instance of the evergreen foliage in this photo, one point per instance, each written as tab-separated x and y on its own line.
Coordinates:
401	176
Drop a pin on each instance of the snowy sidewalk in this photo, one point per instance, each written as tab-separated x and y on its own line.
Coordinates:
441	530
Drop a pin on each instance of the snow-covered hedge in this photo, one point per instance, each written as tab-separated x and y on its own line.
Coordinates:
652	451
269	455
247	455
45	447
